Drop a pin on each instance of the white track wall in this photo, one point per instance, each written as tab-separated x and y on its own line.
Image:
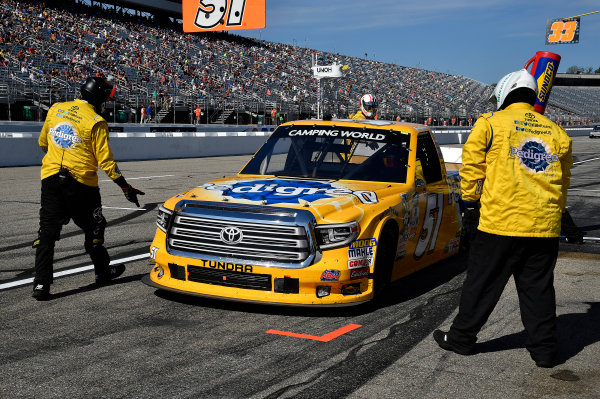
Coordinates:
18	141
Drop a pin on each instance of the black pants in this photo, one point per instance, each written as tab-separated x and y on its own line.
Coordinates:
64	199
492	260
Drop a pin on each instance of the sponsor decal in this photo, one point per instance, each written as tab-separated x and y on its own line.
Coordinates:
454	185
365	242
356	263
391	212
359	273
64	135
330	275
360	253
97	214
231	235
479	187
350	289
345	134
410	221
452	246
401	250
153	251
159	271
530	116
70	114
278	191
545	83
233	267
534	154
532	126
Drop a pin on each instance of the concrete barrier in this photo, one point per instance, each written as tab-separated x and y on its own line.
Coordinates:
129	142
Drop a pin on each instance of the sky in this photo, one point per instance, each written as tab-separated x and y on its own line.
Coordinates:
479	39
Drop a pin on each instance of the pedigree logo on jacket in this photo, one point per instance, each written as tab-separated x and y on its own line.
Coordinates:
64	135
534	154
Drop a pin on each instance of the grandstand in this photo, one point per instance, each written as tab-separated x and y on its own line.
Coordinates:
48	50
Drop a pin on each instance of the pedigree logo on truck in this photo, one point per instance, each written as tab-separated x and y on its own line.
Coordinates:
279	191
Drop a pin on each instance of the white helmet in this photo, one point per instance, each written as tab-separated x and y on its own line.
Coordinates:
511	82
368	105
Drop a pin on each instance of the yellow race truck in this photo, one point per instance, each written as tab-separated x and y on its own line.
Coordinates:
326	213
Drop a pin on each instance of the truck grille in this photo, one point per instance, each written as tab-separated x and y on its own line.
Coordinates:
229	278
247	240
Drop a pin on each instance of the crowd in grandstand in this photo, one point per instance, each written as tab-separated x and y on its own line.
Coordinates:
59	44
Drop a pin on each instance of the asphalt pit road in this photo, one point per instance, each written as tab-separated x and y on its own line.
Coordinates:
565	375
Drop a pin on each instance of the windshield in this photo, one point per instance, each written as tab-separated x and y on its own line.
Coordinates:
333	153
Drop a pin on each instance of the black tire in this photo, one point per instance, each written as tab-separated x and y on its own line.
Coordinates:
384	260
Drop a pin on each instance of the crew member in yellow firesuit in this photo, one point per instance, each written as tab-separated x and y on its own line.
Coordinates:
516	165
75	139
368	108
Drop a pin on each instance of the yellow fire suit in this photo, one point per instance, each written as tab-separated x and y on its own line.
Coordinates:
517	162
359	115
76	137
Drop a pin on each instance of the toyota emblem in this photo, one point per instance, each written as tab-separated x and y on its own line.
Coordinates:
231	235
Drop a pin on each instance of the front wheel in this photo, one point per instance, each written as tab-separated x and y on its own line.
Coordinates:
384	260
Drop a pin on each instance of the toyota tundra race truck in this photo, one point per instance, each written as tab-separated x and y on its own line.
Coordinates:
326	213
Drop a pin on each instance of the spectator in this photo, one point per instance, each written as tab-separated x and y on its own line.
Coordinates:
198	113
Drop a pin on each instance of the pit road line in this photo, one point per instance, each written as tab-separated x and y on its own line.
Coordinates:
587	160
19	283
140	178
124	209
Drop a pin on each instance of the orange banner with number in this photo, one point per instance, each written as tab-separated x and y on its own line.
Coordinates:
562	31
216	15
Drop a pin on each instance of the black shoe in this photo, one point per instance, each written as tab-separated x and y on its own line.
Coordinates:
546	362
441	338
111	273
41	292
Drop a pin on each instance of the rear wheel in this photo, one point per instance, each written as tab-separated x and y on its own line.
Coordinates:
384	260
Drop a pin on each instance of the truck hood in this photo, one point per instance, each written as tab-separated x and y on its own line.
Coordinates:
329	201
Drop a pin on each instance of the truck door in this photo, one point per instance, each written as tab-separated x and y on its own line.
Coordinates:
430	183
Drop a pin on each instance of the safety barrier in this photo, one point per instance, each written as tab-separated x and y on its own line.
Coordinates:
129	142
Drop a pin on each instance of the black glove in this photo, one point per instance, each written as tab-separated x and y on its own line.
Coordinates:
570	230
470	221
131	194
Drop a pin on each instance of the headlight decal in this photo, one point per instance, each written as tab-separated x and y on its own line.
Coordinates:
163	217
336	235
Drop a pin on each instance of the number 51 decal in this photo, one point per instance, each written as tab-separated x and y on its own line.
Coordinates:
210	15
431	224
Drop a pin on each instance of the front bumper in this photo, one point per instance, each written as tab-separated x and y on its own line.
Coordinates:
262	284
